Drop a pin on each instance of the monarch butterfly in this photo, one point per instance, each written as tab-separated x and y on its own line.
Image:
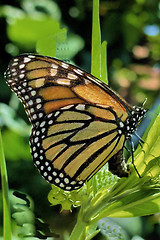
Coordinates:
78	122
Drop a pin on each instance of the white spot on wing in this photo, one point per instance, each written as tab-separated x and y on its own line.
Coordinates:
33	93
38	100
15	60
54	66
56	113
72	76
61	185
21	76
21	66
80	72
24	84
31	56
14	74
49	178
67	107
26	59
63	81
40	115
53	72
66	180
64	65
89	77
57	180
61	175
80	107
14	64
54	174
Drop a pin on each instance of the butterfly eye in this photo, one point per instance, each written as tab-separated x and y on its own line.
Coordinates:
79	123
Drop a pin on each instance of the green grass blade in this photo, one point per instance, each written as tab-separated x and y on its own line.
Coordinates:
6	207
104	74
96	42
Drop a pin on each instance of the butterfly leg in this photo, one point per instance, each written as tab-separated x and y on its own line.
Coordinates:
132	154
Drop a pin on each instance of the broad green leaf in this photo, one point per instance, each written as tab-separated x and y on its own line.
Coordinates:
48	44
26	31
18	146
70	47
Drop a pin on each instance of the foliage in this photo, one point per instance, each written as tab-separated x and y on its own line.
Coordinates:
104	195
6	210
127	198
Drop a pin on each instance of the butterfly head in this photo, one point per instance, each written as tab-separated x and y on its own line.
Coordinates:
134	120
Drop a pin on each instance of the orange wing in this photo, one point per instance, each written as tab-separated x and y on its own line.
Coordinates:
45	84
79	123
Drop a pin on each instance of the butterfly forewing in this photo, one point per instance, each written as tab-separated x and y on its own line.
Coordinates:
79	123
45	85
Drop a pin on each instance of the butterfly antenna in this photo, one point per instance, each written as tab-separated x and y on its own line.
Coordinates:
132	154
144	102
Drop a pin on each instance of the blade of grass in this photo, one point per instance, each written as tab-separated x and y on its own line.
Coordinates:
104	74
6	207
96	42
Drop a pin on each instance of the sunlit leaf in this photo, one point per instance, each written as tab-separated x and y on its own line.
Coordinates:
15	146
26	31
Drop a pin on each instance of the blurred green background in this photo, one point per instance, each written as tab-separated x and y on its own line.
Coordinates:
132	31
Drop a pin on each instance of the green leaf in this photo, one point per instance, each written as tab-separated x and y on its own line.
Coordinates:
18	146
70	47
148	159
104	76
48	44
96	42
26	31
22	213
7	235
102	180
66	199
144	201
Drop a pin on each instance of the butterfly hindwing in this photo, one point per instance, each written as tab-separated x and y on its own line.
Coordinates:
70	145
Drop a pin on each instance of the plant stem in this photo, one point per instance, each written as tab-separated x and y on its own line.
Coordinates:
6	206
80	230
